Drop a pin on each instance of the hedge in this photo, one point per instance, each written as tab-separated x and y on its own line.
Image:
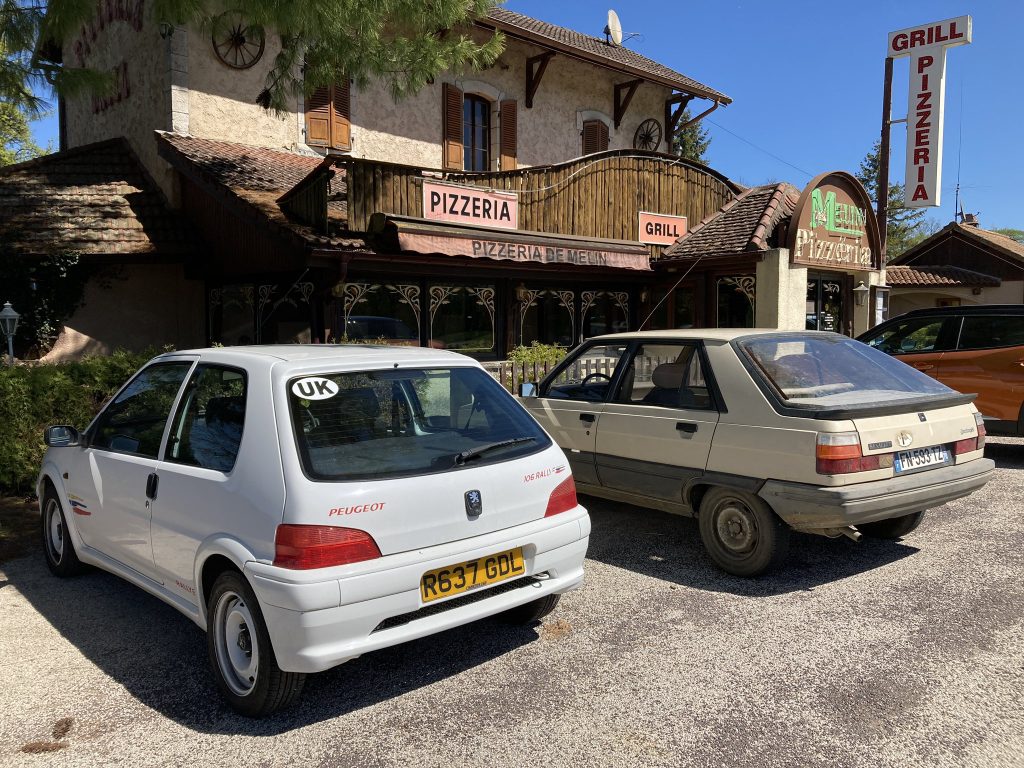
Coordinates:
34	397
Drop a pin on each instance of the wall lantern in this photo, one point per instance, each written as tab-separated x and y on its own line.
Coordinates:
521	293
860	294
9	324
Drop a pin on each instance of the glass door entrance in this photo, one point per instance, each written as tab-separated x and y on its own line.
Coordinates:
825	303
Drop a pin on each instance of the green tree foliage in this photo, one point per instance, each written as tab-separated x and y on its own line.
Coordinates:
15	137
1015	234
44	291
904	226
693	141
403	42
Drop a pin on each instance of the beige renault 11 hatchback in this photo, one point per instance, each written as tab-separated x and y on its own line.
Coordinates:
757	433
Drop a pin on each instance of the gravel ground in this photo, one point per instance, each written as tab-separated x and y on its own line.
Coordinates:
872	654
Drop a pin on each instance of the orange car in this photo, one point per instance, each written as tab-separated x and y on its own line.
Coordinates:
977	349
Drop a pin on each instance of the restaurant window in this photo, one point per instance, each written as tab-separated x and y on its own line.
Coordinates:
595	136
476	133
546	316
375	312
328	117
677	310
736	301
604	312
462	318
232	315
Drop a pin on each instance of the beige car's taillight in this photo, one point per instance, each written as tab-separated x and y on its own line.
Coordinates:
839	453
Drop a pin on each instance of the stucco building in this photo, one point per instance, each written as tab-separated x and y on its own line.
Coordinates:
532	201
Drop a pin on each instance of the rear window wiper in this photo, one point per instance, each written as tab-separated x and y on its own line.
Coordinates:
473	453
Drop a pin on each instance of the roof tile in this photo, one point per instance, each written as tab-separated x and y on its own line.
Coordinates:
95	199
614	55
743	225
924	277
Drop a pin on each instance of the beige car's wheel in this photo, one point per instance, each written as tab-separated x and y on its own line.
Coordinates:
741	533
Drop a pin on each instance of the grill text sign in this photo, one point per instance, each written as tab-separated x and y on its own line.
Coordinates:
661	229
926	46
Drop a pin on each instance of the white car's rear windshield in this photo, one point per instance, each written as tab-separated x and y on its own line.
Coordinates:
401	422
832	370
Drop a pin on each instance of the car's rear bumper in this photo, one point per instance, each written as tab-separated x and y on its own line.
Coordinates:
810	508
315	625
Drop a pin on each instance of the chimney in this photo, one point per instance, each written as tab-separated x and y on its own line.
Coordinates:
970	220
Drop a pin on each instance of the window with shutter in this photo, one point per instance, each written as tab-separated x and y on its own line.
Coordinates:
451	127
509	135
328	122
318	118
595	136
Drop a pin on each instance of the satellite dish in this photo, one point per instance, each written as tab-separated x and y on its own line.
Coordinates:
613	30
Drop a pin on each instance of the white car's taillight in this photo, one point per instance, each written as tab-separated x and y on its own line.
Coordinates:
303	547
563	498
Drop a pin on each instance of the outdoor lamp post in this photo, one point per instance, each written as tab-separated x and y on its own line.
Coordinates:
860	294
9	324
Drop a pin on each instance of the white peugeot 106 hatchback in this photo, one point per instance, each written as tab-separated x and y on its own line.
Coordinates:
307	504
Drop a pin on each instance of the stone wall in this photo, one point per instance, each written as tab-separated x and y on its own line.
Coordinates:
131	45
409	131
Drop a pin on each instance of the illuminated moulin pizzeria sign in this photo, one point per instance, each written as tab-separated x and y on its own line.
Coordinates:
926	46
833	226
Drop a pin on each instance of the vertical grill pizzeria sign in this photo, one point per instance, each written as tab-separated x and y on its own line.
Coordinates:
833	225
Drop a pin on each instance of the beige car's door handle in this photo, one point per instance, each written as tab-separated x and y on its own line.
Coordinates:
587	418
686	426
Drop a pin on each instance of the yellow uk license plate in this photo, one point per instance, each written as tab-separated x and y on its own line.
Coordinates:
472	574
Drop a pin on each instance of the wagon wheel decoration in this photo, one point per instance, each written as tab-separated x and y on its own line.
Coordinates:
237	43
648	135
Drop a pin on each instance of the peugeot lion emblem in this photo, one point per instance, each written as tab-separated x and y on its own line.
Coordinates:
903	438
474	504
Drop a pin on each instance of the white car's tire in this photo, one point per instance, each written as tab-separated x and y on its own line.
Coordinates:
741	533
61	558
533	611
240	652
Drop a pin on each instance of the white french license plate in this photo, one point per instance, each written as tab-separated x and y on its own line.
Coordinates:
921	458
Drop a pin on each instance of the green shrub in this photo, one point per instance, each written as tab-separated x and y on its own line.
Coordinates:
537	353
34	397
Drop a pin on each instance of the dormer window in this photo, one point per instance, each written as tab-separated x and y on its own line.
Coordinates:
476	133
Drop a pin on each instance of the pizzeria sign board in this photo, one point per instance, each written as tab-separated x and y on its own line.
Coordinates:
833	225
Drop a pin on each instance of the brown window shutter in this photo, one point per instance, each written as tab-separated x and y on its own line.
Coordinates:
341	124
509	135
318	118
595	136
452	127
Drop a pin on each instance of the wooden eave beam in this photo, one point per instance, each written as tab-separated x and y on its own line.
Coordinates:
535	66
674	106
623	95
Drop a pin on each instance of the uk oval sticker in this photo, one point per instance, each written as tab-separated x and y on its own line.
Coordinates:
314	388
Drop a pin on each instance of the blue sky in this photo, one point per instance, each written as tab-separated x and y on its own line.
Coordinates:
806	84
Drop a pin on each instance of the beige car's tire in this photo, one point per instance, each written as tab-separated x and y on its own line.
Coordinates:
741	533
61	558
893	528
